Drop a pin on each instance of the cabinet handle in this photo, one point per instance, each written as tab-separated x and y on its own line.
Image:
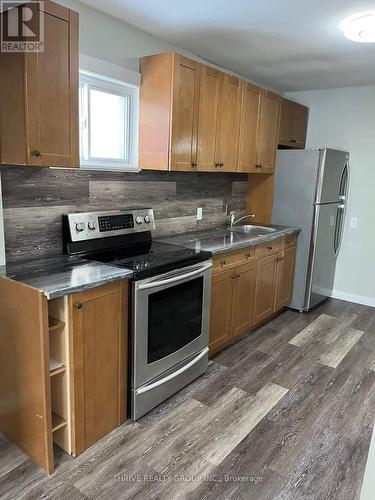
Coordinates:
223	262
36	153
233	276
269	248
293	140
221	164
217	165
194	164
238	275
78	306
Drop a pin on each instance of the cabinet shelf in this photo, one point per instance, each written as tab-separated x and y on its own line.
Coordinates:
55	324
57	422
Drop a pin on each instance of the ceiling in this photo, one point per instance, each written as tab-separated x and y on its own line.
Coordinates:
286	44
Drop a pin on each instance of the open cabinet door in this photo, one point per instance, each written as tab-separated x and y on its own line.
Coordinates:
25	387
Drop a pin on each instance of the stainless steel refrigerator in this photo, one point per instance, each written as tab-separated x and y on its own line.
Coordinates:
311	188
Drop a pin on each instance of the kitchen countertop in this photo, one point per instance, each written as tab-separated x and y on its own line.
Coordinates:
62	275
222	240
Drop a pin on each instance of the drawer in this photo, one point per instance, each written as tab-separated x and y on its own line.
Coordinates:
290	241
233	259
269	248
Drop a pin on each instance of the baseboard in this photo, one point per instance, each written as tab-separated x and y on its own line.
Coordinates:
352	297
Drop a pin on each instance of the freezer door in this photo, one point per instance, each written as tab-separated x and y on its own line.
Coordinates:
322	265
333	165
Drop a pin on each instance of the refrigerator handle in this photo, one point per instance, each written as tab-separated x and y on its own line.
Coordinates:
338	233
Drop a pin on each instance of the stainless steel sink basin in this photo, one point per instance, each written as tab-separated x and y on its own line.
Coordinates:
252	230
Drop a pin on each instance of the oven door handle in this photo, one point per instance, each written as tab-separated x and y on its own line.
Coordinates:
154	284
173	375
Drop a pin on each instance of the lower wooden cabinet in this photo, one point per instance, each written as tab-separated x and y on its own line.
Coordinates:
284	278
62	367
98	328
221	309
243	299
265	287
248	294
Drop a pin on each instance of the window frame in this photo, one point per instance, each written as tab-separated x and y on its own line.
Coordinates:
87	81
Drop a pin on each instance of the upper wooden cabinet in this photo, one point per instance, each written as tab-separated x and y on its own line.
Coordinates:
39	97
269	131
221	124
249	128
293	124
168	117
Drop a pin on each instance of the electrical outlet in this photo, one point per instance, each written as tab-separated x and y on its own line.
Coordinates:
354	222
199	213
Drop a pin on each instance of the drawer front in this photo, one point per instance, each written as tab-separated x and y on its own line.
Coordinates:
290	241
231	260
269	248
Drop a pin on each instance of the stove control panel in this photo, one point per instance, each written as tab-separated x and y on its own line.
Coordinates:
91	225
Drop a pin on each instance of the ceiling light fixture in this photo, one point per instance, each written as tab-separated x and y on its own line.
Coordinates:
360	27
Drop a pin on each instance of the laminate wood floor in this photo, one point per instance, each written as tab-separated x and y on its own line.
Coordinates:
286	413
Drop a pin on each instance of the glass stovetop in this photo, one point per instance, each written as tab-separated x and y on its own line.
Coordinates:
151	258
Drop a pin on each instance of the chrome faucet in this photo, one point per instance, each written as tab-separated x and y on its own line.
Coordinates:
233	221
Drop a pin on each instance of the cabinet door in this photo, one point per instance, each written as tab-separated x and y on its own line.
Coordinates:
300	125
221	310
269	131
52	94
25	387
265	288
249	128
228	138
243	299
208	125
99	322
185	107
284	280
286	122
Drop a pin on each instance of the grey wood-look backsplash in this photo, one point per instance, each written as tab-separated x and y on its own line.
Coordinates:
35	198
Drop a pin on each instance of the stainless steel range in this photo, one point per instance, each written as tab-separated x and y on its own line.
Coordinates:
170	300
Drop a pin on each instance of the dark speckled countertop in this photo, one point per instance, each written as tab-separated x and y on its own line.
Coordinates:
63	275
223	240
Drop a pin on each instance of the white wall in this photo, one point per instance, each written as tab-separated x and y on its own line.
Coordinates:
109	39
345	119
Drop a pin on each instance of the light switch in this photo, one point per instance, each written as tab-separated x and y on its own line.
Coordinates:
354	222
199	213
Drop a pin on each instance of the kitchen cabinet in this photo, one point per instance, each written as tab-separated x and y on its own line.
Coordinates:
168	114
265	287
293	124
249	287
209	119
39	97
62	367
284	278
221	310
98	335
249	128
197	118
243	299
269	131
228	134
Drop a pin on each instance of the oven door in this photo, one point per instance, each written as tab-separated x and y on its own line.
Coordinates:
170	320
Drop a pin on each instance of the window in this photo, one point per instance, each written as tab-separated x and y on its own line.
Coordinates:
109	123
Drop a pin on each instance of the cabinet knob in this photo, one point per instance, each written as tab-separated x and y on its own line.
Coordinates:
36	153
217	165
223	262
269	248
194	164
78	306
248	254
221	164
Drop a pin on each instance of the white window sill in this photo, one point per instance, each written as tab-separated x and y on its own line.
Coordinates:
110	168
